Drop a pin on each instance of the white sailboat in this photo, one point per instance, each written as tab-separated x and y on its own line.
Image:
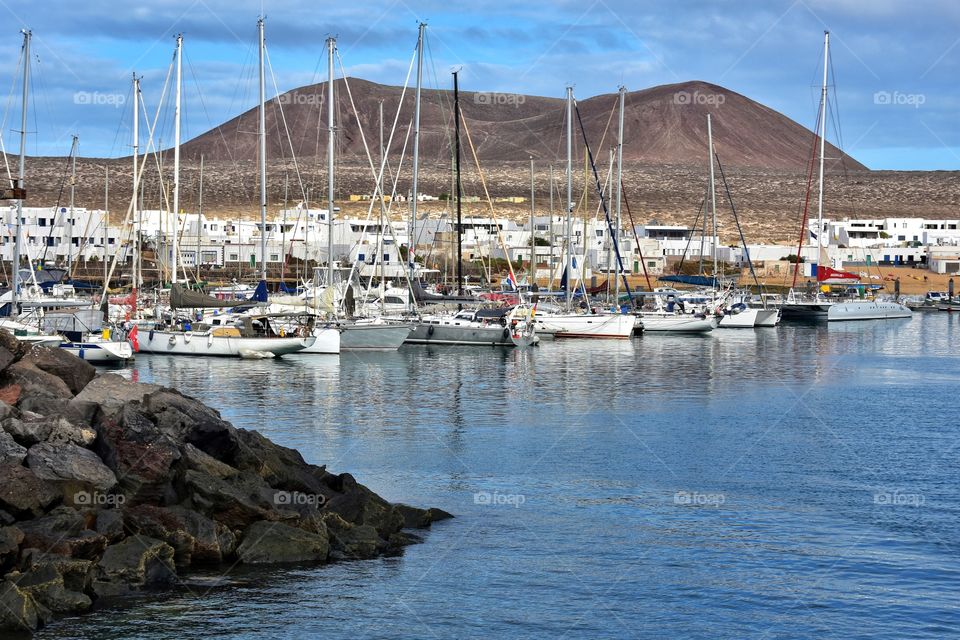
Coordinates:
566	323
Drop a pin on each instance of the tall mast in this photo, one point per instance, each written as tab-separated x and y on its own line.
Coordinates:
196	262
176	158
456	129
533	243
380	245
569	232
262	132
823	133
15	289
552	238
136	180
623	96
331	148
106	220
713	196
73	185
416	147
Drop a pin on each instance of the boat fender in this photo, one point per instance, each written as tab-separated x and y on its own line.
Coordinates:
151	335
430	330
506	334
186	336
172	340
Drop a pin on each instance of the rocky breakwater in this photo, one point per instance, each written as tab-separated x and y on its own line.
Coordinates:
110	488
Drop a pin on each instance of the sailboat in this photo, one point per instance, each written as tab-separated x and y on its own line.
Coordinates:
246	336
819	307
565	323
476	327
368	334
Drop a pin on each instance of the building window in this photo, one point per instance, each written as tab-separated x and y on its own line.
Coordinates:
274	257
233	257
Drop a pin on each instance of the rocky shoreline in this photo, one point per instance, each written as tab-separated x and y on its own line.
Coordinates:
110	489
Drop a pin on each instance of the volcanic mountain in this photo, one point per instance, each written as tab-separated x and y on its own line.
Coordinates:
663	125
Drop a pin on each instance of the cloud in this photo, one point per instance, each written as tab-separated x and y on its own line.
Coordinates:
768	51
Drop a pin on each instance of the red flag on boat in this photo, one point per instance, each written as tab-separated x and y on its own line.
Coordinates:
132	339
828	275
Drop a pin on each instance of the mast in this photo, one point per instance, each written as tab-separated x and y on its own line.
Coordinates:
73	185
552	237
331	148
196	262
823	133
533	244
416	147
713	196
262	133
623	96
106	221
15	289
176	157
569	231
283	230
380	239
456	129
135	183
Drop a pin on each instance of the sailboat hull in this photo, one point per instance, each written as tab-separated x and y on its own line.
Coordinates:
183	343
327	341
587	325
676	323
373	337
746	319
767	318
868	310
98	352
459	333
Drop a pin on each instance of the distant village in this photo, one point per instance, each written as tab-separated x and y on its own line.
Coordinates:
377	246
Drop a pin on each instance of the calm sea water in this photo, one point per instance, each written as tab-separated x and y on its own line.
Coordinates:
794	482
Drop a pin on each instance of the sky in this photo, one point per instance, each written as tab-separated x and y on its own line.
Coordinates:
894	85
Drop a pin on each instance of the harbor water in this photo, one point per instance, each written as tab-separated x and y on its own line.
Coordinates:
794	482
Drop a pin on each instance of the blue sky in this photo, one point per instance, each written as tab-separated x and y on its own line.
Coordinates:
896	62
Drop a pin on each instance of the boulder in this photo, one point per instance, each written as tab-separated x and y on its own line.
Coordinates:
236	502
77	574
109	524
63	531
143	457
35	382
198	460
415	518
280	467
71	370
23	493
11	349
351	542
65	461
109	392
161	524
10	451
187	420
213	542
358	505
28	431
10	394
10	539
274	543
46	585
6	410
18	609
136	563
